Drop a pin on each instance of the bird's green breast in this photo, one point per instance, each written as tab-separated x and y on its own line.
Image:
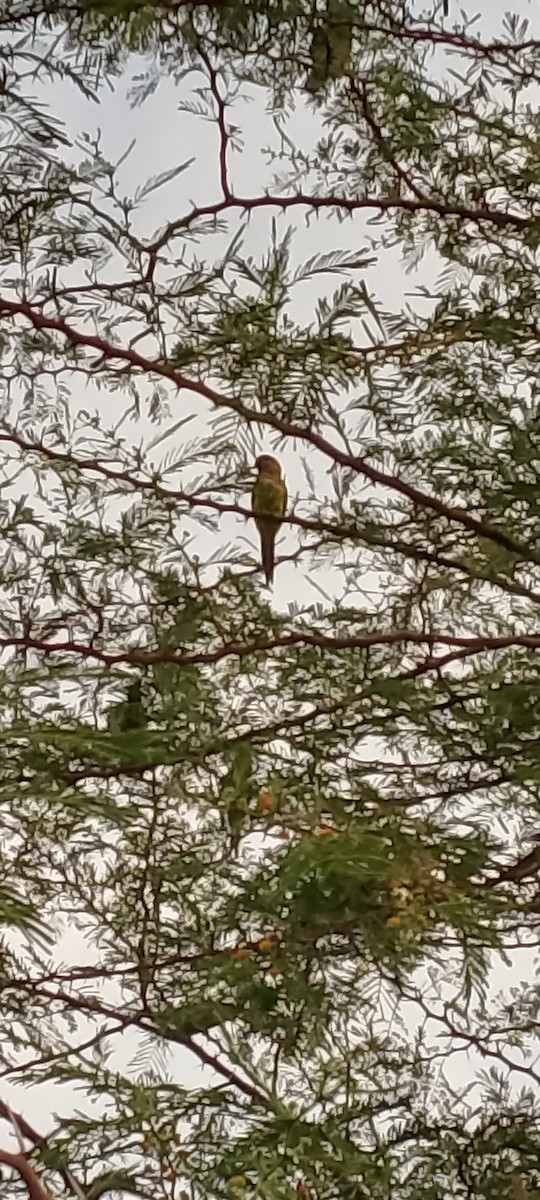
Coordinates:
269	496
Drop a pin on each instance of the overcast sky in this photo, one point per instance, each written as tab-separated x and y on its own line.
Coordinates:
164	136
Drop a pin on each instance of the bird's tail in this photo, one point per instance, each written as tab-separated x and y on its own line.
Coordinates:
268	550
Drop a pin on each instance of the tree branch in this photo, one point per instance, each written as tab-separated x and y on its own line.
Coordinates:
19	1163
150	366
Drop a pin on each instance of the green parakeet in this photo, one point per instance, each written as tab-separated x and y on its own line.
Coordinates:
129	713
269	501
236	789
331	44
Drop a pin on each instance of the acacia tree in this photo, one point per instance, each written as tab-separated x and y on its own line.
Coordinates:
261	854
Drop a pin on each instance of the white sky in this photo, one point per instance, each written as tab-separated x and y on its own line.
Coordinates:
165	136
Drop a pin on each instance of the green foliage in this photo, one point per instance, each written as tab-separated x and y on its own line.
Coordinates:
253	903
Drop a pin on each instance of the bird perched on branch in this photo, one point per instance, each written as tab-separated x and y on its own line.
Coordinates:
268	501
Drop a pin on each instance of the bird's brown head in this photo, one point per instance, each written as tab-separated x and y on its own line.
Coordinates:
267	465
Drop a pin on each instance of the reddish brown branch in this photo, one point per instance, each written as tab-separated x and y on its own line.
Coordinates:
475	1041
359	90
464	646
20	1163
345	531
221	123
455	41
27	1131
130	356
383	204
142	1019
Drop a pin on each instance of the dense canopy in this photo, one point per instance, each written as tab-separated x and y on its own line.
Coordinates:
269	895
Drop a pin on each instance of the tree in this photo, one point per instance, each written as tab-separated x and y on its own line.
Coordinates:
265	854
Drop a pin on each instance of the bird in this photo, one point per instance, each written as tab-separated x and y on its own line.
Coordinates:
268	502
331	45
130	713
236	788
